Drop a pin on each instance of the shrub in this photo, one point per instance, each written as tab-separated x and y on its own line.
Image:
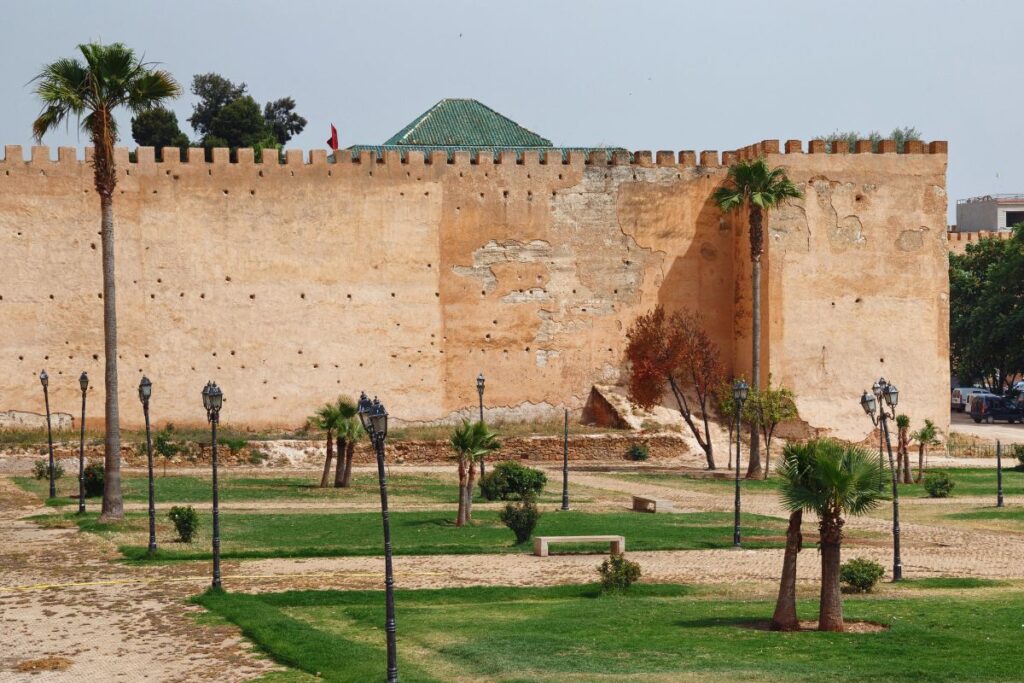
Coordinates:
861	575
1018	451
163	445
511	481
938	484
521	518
638	452
186	521
93	479
618	574
257	457
41	469
234	445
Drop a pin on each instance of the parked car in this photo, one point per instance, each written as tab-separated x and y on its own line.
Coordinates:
988	408
961	397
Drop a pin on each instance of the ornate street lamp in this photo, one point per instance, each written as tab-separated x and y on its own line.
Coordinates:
145	391
44	379
375	421
480	394
213	399
885	394
739	397
83	381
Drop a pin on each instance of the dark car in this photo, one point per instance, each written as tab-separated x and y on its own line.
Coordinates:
991	408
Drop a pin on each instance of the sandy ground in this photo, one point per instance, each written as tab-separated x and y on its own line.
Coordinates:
62	595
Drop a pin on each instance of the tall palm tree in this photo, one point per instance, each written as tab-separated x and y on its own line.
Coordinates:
840	480
110	77
793	471
349	432
752	185
903	448
327	419
471	442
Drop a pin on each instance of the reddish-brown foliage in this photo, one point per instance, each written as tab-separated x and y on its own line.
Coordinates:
674	350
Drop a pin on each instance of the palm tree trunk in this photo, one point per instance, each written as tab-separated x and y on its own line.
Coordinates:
113	506
469	494
754	464
350	453
785	618
339	465
460	519
830	613
325	477
920	463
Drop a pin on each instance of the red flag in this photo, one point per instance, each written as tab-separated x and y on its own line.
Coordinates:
333	140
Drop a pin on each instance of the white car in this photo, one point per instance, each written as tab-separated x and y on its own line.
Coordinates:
961	397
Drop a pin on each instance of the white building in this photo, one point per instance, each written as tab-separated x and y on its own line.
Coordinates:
989	213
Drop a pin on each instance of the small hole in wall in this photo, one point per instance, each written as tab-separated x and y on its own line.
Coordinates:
881	360
232	352
302	295
833	303
214	353
252	296
482	293
202	295
481	195
360	365
181	294
152	296
392	295
316	365
559	176
487	336
48	358
51	296
227	278
21	357
92	245
300	352
145	355
159	280
859	197
349	296
857	300
252	193
95	356
100	295
504	193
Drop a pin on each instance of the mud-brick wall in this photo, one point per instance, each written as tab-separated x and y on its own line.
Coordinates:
291	283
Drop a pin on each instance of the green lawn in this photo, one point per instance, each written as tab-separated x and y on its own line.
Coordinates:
655	633
234	487
970	481
1009	514
975	481
421	533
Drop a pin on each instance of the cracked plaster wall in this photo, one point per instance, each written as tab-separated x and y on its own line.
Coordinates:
292	284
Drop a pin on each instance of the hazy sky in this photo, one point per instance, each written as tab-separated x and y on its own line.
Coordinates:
643	75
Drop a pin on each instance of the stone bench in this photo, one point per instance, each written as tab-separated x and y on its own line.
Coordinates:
645	504
617	543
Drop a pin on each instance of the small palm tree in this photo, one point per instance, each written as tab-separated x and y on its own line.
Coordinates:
839	480
753	185
471	442
350	430
926	436
111	77
795	466
327	419
903	448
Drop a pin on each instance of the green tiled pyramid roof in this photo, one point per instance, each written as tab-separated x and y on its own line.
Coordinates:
465	123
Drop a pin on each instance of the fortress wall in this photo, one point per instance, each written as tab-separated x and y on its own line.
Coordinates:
290	283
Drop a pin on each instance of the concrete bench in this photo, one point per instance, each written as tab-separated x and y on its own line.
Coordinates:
617	543
644	504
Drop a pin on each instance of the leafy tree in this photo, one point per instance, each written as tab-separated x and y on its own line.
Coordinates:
327	419
158	127
753	186
725	406
840	480
163	444
926	436
350	430
987	311
214	93
471	442
767	409
675	350
794	470
898	135
110	77
283	121
239	123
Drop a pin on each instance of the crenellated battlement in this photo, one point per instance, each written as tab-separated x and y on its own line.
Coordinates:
67	157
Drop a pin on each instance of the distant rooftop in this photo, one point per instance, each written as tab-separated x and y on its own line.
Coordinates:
1014	198
454	125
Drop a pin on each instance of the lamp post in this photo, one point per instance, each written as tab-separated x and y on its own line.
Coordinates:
885	394
999	474
83	381
145	391
213	399
565	463
739	397
44	379
375	421
480	394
